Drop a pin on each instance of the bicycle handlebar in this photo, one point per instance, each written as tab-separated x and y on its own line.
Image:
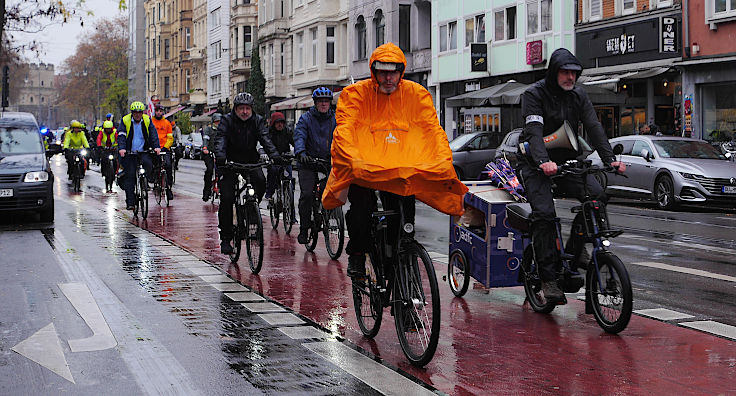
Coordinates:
576	167
242	167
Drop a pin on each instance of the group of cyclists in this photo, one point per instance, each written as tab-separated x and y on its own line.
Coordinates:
384	136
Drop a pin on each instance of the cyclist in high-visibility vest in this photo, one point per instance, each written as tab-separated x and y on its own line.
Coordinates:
136	135
74	140
107	141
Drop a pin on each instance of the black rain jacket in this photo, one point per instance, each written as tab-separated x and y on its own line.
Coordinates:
235	139
545	106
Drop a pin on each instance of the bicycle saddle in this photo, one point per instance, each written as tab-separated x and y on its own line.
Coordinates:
518	215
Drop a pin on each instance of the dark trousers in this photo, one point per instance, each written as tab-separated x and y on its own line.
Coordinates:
358	220
227	199
272	178
544	234
307	181
209	166
168	165
130	167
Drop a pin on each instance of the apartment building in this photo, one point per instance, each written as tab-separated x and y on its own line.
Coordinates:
197	85
38	94
136	50
709	70
218	46
243	27
274	21
630	47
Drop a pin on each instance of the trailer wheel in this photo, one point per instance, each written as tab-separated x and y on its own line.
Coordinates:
458	273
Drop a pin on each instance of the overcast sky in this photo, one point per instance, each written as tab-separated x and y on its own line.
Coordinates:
60	41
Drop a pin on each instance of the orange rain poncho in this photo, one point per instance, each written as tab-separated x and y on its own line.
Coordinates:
392	143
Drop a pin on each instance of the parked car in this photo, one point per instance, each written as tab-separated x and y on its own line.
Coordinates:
26	180
472	151
193	146
673	170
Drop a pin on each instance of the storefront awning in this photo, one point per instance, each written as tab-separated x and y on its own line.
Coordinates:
616	77
507	97
289	104
481	96
176	110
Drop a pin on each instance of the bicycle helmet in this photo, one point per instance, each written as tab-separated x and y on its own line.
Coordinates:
76	124
216	117
108	115
137	106
243	98
107	124
322	93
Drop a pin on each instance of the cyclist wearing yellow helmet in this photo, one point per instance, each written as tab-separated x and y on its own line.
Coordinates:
74	140
136	135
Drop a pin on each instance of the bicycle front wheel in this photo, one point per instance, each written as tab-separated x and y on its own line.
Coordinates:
287	207
273	209
164	188
314	230
158	191
334	230
417	305
533	283
254	244
367	300
144	197
611	298
238	227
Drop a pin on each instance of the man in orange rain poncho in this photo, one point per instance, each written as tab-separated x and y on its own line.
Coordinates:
388	138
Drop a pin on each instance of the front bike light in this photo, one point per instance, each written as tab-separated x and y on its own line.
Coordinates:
251	192
408	228
141	171
606	242
36	177
83	152
110	157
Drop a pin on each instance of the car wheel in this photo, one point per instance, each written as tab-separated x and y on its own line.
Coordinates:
602	179
664	193
458	172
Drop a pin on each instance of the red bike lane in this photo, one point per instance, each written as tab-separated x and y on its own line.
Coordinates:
490	342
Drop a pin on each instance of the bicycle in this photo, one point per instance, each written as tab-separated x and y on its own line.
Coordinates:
79	165
283	198
141	187
214	187
608	293
400	274
160	181
109	168
330	222
247	216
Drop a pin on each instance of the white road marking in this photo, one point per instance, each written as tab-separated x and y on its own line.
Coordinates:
44	348
374	374
217	279
712	327
684	270
229	287
688	245
247	296
662	314
81	298
278	319
727	218
263	307
301	332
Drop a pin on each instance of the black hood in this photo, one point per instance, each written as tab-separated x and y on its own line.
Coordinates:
559	57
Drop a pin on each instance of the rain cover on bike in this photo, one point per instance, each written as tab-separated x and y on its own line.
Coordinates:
392	143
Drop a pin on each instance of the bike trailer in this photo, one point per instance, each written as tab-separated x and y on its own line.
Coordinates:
482	241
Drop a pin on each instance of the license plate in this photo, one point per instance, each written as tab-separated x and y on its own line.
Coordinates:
6	192
729	189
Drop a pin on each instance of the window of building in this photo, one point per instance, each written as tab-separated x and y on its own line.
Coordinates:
247	41
272	55
469	31
313	33
538	16
668	3
31	99
42	99
480	28
216	83
596	9
281	54
166	49
719	111
166	87
216	49
505	24
187	80
379	26
215	18
264	59
448	36
629	7
360	38
330	47
724	7
405	27
187	38
300	51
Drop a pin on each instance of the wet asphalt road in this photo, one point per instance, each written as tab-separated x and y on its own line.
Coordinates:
195	339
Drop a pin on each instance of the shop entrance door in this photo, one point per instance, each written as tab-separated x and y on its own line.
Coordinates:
608	116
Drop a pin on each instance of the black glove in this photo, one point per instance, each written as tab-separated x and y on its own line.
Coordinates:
279	160
303	158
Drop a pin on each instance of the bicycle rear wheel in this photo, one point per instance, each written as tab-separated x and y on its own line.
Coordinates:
109	175
367	300
274	207
533	284
313	230
238	230
458	273
417	305
158	190
287	207
334	230
137	193
612	304
254	238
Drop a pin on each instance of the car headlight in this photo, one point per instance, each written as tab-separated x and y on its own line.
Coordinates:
690	176
36	177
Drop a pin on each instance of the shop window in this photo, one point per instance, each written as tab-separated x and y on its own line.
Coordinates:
719	112
631	119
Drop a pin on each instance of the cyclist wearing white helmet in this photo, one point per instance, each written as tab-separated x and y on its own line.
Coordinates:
136	134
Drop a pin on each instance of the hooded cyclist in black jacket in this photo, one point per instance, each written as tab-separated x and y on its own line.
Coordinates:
545	106
235	140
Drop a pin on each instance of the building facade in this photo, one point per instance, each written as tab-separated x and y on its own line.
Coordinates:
709	70
477	44
630	47
243	29
198	57
274	21
218	47
136	50
38	94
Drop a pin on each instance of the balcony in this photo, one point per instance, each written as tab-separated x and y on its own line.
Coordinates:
240	65
244	9
185	15
420	60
